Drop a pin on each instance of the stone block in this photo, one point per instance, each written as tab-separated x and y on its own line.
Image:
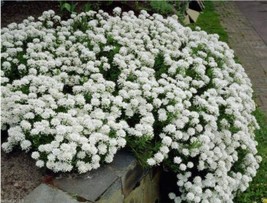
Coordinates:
132	178
113	194
44	193
192	14
151	186
126	167
122	181
147	191
186	20
123	161
89	186
136	195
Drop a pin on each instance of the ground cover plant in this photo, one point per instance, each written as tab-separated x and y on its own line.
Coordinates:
210	22
76	91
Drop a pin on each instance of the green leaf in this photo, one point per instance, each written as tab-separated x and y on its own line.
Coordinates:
87	7
67	6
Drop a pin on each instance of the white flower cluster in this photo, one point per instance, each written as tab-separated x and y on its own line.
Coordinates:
73	91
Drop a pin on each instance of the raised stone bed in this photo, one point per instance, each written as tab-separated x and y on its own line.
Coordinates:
122	181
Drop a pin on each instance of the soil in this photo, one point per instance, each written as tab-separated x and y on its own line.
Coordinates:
19	176
17	11
13	11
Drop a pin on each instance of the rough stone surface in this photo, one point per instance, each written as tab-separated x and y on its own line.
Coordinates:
113	194
89	186
46	194
245	38
127	168
136	195
131	179
123	181
124	168
123	160
151	190
147	191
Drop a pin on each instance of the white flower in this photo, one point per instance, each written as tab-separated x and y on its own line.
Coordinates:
159	157
121	142
167	140
164	149
25	125
190	196
25	145
35	155
61	130
40	163
170	128
172	195
151	162
109	158
182	167
162	116
7	147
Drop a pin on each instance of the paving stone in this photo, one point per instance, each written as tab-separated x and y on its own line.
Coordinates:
46	194
256	13
247	41
263	99
89	186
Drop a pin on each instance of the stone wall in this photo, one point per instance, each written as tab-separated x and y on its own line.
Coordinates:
122	181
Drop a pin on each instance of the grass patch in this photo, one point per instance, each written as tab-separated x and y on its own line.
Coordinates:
258	187
210	22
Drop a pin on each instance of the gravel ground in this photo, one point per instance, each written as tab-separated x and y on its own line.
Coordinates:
19	176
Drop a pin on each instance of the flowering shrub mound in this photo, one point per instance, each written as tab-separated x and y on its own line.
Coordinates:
76	91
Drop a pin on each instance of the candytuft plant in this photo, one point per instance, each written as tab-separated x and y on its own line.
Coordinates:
76	93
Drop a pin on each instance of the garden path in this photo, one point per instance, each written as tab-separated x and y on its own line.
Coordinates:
246	23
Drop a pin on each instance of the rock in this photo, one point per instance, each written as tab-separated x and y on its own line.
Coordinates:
16	185
124	180
113	194
44	193
89	186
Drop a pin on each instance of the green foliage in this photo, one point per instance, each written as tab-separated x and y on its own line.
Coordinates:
87	7
143	148
210	22
81	25
108	2
159	66
69	7
163	7
258	187
41	139
181	7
